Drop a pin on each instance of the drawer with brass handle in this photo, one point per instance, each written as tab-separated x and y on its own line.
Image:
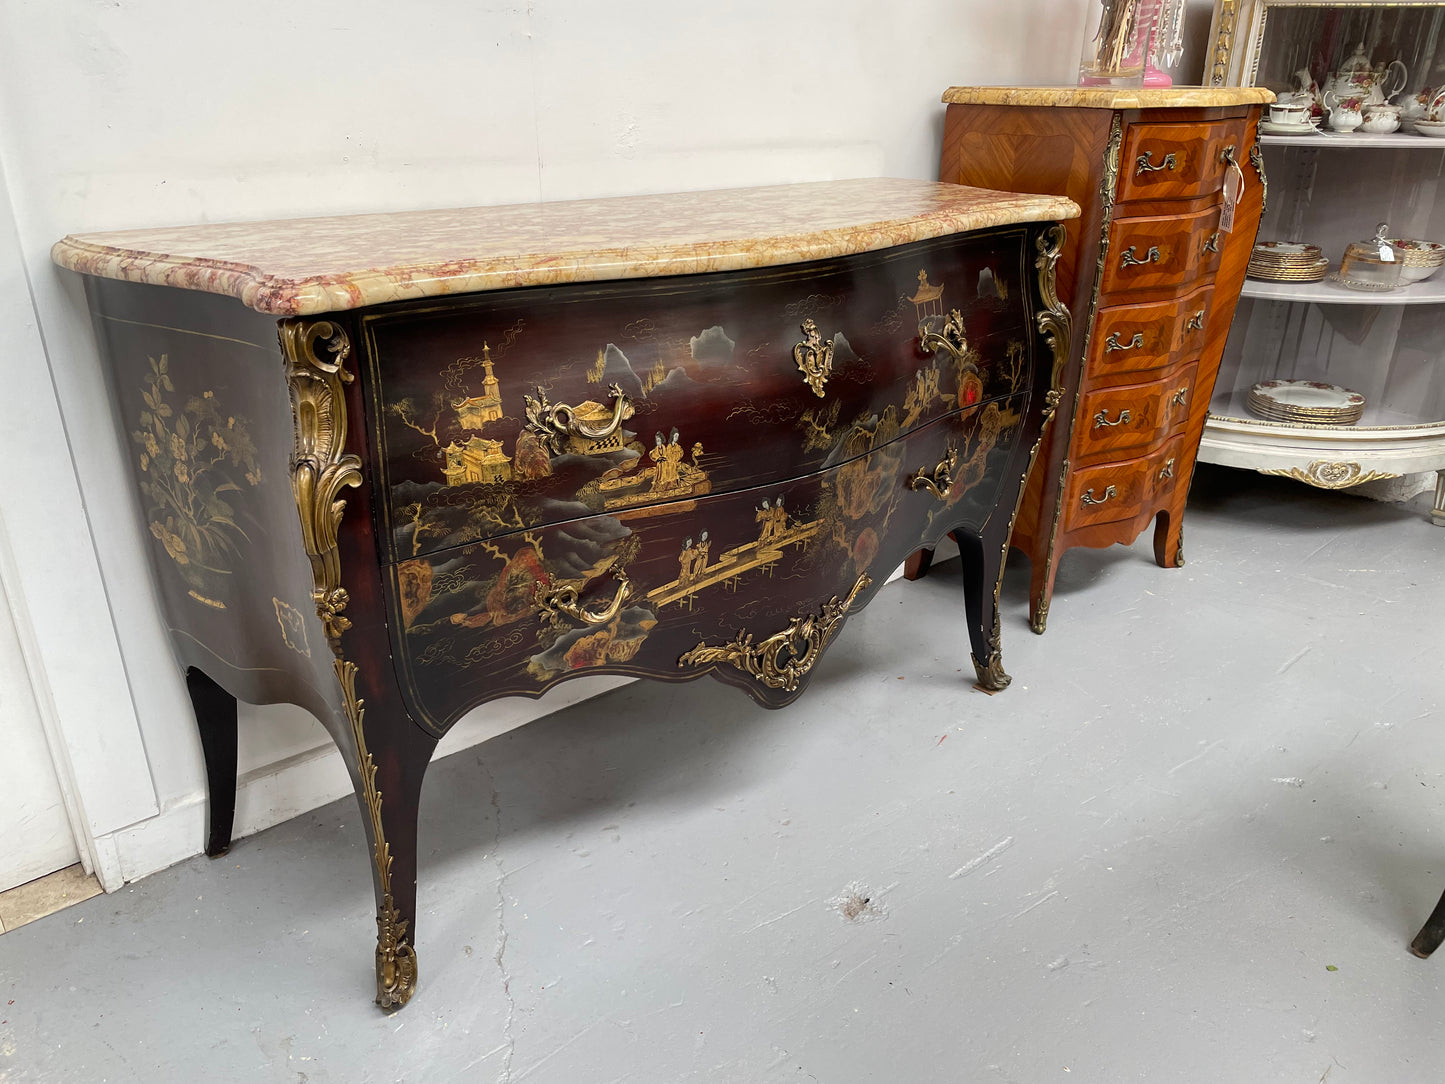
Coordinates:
636	590
1133	415
1163	251
1118	491
1137	338
1107	493
1176	161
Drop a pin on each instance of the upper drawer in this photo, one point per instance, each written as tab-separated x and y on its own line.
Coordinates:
1177	161
1162	251
1134	414
511	410
1137	338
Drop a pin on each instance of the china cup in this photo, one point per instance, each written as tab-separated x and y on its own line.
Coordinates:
1288	114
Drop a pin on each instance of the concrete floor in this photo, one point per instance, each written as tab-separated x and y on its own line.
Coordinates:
1190	843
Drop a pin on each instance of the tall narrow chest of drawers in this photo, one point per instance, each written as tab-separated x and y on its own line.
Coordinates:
1172	186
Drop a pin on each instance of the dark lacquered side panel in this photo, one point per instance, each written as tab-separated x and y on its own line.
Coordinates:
201	405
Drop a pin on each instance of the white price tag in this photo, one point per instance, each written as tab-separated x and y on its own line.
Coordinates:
1233	189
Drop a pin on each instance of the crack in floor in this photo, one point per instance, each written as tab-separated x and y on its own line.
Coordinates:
509	1039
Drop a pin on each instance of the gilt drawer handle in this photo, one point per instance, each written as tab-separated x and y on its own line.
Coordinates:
1089	498
561	427
1167	470
559	603
1195	322
1226	156
1129	258
952	340
1101	419
1181	397
1212	245
1112	343
1142	164
782	660
940	481
814	358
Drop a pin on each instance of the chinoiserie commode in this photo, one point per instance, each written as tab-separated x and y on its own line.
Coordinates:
396	466
1171	185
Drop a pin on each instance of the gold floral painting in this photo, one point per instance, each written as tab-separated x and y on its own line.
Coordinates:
192	455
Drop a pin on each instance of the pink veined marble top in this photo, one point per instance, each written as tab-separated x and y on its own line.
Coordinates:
298	267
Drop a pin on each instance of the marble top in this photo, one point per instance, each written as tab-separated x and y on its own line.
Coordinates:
1111	97
298	267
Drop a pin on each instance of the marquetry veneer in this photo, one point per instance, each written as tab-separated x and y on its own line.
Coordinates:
1152	271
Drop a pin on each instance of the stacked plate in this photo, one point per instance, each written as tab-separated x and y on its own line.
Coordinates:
1305	401
1287	261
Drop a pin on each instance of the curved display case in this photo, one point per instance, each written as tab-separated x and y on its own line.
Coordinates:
1330	189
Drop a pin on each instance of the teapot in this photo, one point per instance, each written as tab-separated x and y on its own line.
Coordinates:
1373	86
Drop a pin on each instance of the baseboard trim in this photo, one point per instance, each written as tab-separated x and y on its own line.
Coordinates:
276	792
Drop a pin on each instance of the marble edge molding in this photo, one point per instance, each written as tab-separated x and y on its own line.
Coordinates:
313	294
1110	97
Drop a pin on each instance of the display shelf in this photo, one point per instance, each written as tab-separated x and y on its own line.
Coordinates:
1345	140
1325	456
1429	292
1387	345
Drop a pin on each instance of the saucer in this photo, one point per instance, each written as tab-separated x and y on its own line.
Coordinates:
1435	129
1270	127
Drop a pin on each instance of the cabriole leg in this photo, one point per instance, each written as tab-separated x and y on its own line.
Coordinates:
917	564
1432	933
1041	589
982	564
1169	538
396	967
216	719
388	786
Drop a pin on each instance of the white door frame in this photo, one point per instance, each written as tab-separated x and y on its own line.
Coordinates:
57	596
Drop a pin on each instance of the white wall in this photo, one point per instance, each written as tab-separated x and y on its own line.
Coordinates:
127	113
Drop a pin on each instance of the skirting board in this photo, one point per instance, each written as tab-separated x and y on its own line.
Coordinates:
298	784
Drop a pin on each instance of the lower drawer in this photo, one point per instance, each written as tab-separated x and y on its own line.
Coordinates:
1133	415
636	591
1119	491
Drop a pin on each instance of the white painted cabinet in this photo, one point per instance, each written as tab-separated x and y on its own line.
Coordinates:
1331	189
